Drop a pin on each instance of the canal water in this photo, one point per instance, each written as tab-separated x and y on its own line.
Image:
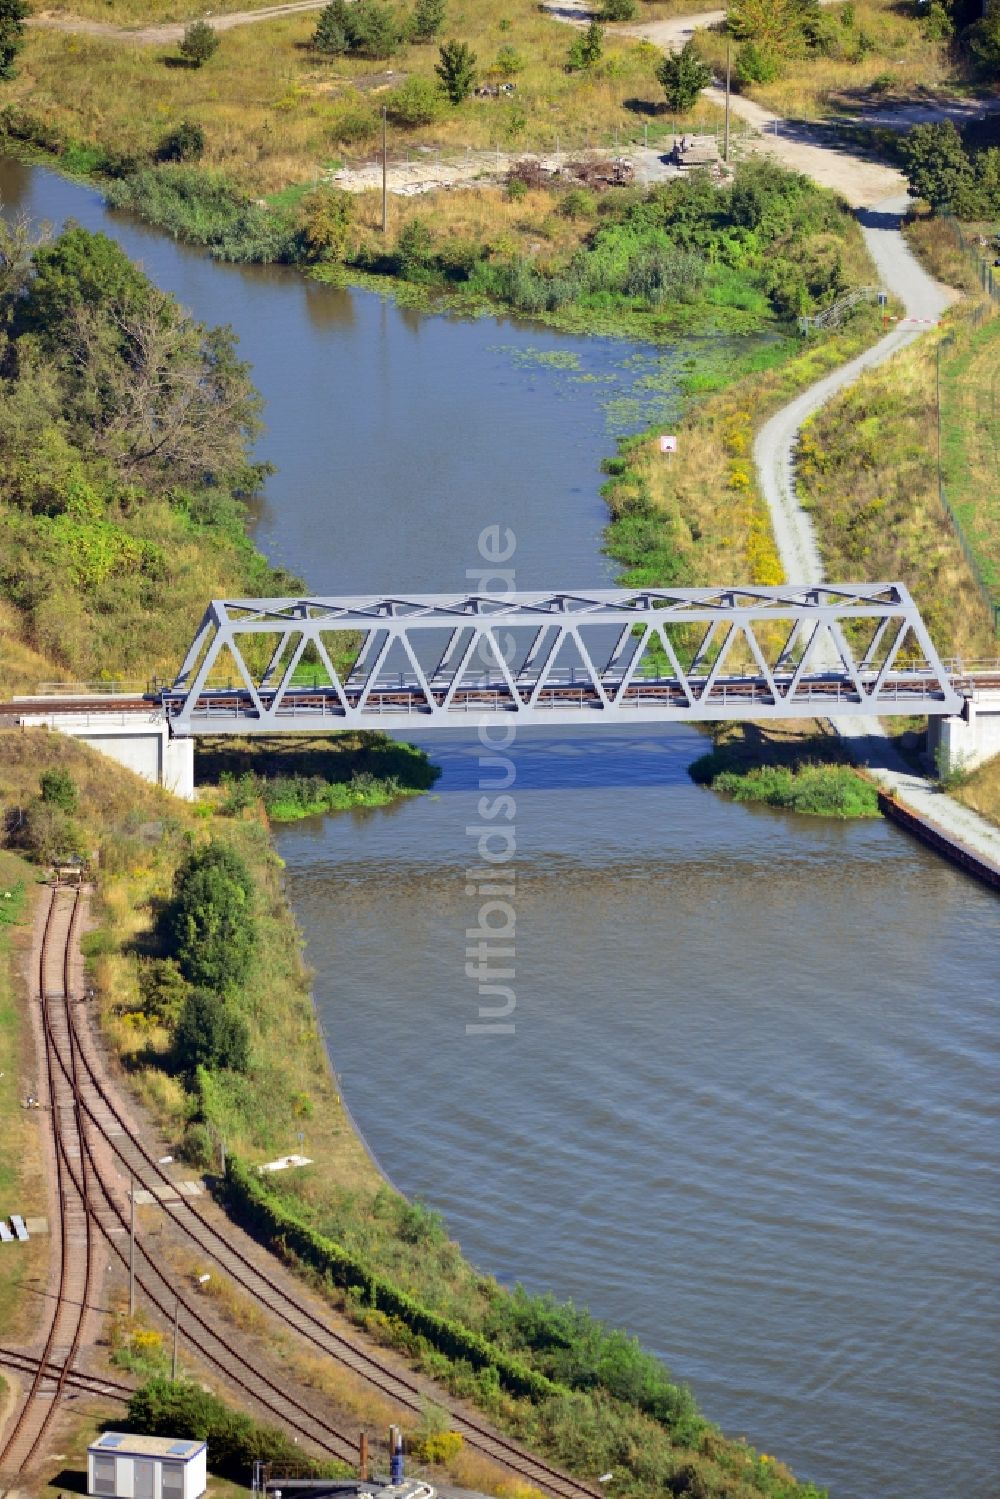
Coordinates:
745	1110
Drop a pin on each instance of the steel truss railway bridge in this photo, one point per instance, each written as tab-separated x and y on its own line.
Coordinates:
308	664
409	662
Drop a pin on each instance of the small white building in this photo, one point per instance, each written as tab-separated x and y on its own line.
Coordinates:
125	1465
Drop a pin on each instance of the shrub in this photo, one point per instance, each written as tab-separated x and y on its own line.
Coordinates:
235	1440
756	64
586	48
415	250
354	125
617	10
48	834
578	203
456	68
210	1034
682	76
326	217
209	923
186	143
58	789
417	101
199	43
12	17
163	989
427	20
508	61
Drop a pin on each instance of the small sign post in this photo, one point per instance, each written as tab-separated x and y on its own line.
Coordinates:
668	444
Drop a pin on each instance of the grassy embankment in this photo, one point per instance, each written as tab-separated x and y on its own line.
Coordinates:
585	1395
22	1267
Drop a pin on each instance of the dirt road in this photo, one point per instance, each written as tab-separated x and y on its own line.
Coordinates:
153	36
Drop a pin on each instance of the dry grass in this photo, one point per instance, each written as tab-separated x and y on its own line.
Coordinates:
935	244
720	524
868	473
981	791
903	61
274	115
970	441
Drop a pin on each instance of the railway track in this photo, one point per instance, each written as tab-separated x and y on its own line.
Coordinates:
76	1060
77	1271
77	1379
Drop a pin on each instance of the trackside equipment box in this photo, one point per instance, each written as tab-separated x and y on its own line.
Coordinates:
124	1465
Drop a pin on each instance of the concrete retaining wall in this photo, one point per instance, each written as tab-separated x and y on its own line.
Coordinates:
139	741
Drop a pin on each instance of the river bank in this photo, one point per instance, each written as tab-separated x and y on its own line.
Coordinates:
652	1227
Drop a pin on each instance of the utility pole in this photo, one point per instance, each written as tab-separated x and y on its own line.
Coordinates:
131	1248
385	189
173	1361
729	79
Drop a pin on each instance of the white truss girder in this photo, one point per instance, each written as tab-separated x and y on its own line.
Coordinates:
594	656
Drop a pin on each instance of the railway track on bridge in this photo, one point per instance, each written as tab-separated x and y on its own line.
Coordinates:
72	1059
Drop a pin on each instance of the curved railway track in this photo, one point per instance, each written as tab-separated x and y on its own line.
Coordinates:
80	1070
54	1370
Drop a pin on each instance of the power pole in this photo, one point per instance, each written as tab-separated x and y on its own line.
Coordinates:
725	148
173	1361
385	190
131	1248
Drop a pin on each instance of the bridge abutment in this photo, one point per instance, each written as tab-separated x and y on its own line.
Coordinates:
139	741
968	740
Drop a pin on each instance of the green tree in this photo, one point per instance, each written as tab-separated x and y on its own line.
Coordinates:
937	167
326	218
209	924
12	18
210	1033
199	42
79	271
981	41
332	36
375	30
586	48
59	790
456	68
617	10
682	76
427	20
48	833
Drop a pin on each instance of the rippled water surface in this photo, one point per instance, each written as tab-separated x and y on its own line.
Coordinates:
746	1108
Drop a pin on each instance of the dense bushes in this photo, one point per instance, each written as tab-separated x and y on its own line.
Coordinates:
251	1204
816	790
209	924
535	1345
204	208
179	1408
950	177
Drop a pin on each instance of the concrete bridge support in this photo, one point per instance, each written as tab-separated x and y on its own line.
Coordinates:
138	740
968	739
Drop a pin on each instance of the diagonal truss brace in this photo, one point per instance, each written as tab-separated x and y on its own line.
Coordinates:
432	660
